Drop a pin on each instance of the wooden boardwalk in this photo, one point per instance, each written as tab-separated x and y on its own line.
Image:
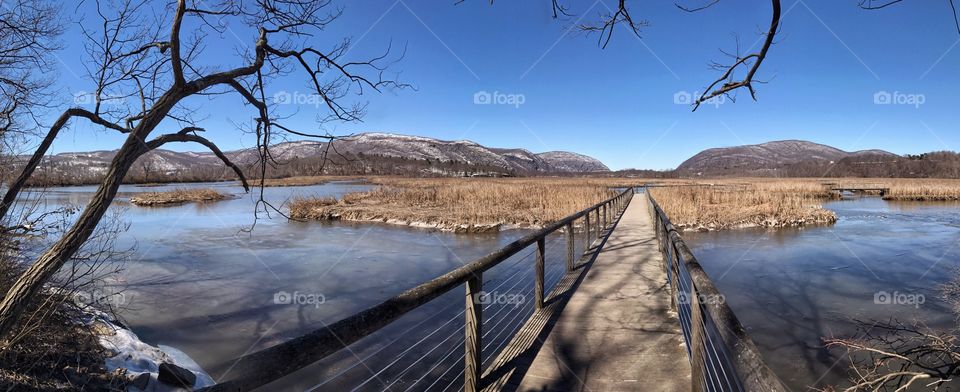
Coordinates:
606	327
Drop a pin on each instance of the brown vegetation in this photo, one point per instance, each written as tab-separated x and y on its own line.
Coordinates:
715	204
177	196
53	348
745	202
463	205
301	180
724	207
924	190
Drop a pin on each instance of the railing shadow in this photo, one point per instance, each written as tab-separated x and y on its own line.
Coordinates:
513	363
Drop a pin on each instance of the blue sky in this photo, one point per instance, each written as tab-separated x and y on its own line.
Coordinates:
617	104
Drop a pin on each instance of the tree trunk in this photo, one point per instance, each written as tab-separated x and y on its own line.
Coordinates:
31	165
33	279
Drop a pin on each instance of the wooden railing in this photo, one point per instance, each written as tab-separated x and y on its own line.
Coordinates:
270	364
722	356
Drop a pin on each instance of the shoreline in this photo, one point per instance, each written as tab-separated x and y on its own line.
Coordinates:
138	361
764	224
481	228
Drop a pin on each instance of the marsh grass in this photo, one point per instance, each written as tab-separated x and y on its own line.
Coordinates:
464	205
177	196
693	204
725	207
924	190
769	202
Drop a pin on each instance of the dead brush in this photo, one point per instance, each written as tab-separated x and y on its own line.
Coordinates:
177	196
450	203
724	207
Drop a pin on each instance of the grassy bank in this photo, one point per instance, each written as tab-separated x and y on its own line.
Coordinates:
462	205
727	207
177	196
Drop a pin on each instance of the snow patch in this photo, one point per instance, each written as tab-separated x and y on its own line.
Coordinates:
137	357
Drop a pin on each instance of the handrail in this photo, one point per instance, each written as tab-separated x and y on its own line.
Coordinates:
722	356
272	363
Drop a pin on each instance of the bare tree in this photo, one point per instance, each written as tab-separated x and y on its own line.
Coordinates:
138	53
28	33
729	81
892	355
881	4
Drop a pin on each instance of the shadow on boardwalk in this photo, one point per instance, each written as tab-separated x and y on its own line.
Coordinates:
607	326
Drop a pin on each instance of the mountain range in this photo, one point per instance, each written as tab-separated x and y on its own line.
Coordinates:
759	158
365	153
378	153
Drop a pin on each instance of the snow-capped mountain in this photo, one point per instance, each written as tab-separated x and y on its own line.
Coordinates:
365	153
566	161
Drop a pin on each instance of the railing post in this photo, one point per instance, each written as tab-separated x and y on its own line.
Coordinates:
570	240
473	329
674	278
696	339
599	224
603	216
586	238
538	271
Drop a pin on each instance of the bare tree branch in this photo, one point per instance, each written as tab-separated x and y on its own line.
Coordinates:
752	61
609	21
877	5
188	134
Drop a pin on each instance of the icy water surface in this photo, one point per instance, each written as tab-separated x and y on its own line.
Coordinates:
198	283
791	287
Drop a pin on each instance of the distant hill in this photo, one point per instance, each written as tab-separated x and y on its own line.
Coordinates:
365	153
761	159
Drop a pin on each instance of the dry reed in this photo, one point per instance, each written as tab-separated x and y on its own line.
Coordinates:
462	205
177	196
725	207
